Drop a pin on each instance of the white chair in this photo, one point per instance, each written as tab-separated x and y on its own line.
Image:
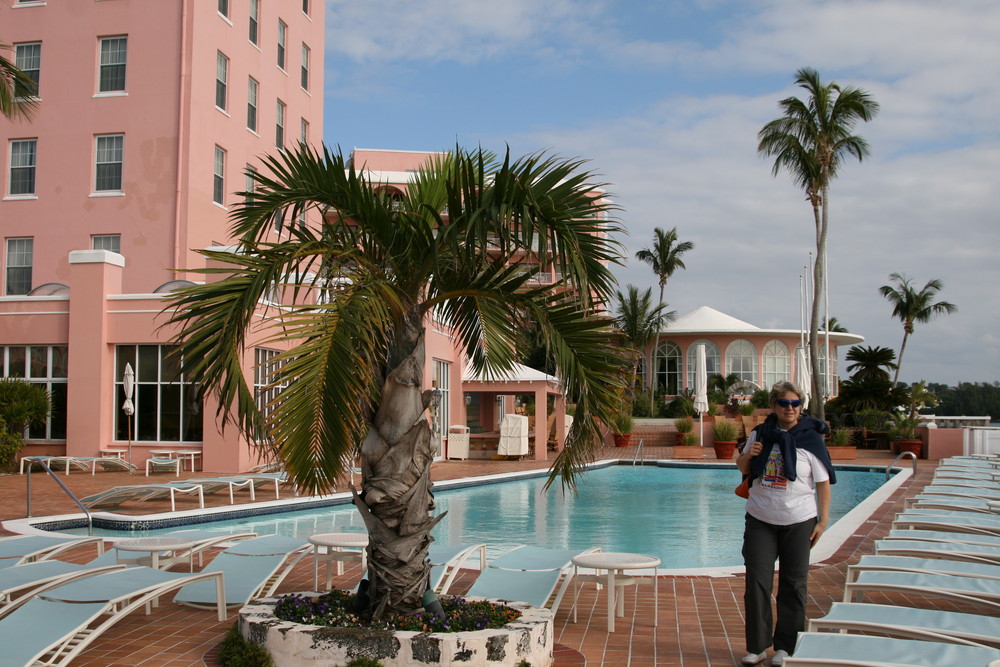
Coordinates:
155	464
513	436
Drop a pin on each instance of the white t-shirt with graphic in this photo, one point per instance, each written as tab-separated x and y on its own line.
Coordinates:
775	499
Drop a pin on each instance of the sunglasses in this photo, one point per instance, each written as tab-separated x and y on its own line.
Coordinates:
785	403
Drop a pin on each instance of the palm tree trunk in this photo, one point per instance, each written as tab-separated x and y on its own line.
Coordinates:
819	270
899	361
396	499
652	361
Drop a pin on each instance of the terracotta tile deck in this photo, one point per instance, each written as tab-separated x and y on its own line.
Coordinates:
700	617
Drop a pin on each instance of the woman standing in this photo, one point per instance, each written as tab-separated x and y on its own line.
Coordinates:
788	508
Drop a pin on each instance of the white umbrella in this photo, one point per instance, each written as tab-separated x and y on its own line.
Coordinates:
700	388
128	385
803	377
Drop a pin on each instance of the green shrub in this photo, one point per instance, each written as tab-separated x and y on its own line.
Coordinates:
724	430
684	424
235	651
746	409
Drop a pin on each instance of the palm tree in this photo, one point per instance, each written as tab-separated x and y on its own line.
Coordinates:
835	327
664	257
810	141
639	322
910	306
12	81
871	362
354	372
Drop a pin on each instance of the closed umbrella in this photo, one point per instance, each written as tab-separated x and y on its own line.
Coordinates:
803	377
128	385
700	388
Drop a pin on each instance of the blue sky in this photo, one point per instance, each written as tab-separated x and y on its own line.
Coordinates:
664	99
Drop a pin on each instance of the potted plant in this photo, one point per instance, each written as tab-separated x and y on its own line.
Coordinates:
622	428
724	435
904	433
687	446
840	445
683	425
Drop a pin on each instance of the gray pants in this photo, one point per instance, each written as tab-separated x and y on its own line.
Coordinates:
763	543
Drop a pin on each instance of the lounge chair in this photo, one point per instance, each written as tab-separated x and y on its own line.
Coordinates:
111	463
119	494
816	649
943	536
243	482
66	463
893	563
536	575
910	623
962	522
924	501
57	622
155	464
974	590
962	491
254	568
28	548
970	553
230	484
447	560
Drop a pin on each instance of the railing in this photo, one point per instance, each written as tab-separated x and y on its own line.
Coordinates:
901	455
638	451
46	468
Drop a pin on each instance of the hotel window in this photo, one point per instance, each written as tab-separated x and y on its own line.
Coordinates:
777	364
667	367
108	163
282	37
112	242
28	58
221	80
252	88
279	126
23	155
712	360
167	408
19	259
304	131
741	360
267	381
114	51
250	184
305	67
43	365
305	7
254	21
224	8
219	177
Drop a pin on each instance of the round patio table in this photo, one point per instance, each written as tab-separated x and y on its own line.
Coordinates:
335	544
614	564
153	546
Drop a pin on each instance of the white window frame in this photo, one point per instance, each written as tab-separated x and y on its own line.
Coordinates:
777	363
282	43
304	130
223	8
30	64
266	370
112	242
713	360
219	176
221	81
105	63
253	30
745	351
253	95
279	125
45	365
20	255
98	162
156	386
250	184
304	71
26	161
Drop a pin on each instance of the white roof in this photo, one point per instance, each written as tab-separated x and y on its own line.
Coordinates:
520	373
705	320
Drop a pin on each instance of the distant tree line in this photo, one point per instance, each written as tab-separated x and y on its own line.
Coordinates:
968	398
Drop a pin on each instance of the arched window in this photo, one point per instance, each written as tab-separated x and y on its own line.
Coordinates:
668	368
741	359
777	364
713	360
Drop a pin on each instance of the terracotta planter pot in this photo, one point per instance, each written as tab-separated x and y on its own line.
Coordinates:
843	453
622	439
724	449
909	446
689	452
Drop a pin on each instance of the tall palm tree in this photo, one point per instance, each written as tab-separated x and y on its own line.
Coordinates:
871	361
664	257
910	306
639	322
810	141
835	327
12	81
354	375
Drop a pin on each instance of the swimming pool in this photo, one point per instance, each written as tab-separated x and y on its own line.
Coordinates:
688	516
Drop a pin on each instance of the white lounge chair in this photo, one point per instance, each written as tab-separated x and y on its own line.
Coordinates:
909	623
447	560
57	622
821	649
536	575
254	568
154	464
974	590
943	536
119	494
924	501
19	549
893	563
66	463
971	553
961	522
962	491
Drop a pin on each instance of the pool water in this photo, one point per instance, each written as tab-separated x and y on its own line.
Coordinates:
688	517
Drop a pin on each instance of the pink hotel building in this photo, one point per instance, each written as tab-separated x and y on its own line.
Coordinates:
149	115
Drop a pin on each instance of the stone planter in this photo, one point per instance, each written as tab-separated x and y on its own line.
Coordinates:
724	449
529	638
843	452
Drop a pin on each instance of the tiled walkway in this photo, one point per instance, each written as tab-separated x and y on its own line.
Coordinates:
700	618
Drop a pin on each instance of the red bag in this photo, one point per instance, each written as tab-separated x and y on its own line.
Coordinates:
743	490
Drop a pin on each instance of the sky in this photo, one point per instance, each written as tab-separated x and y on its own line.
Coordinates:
664	100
